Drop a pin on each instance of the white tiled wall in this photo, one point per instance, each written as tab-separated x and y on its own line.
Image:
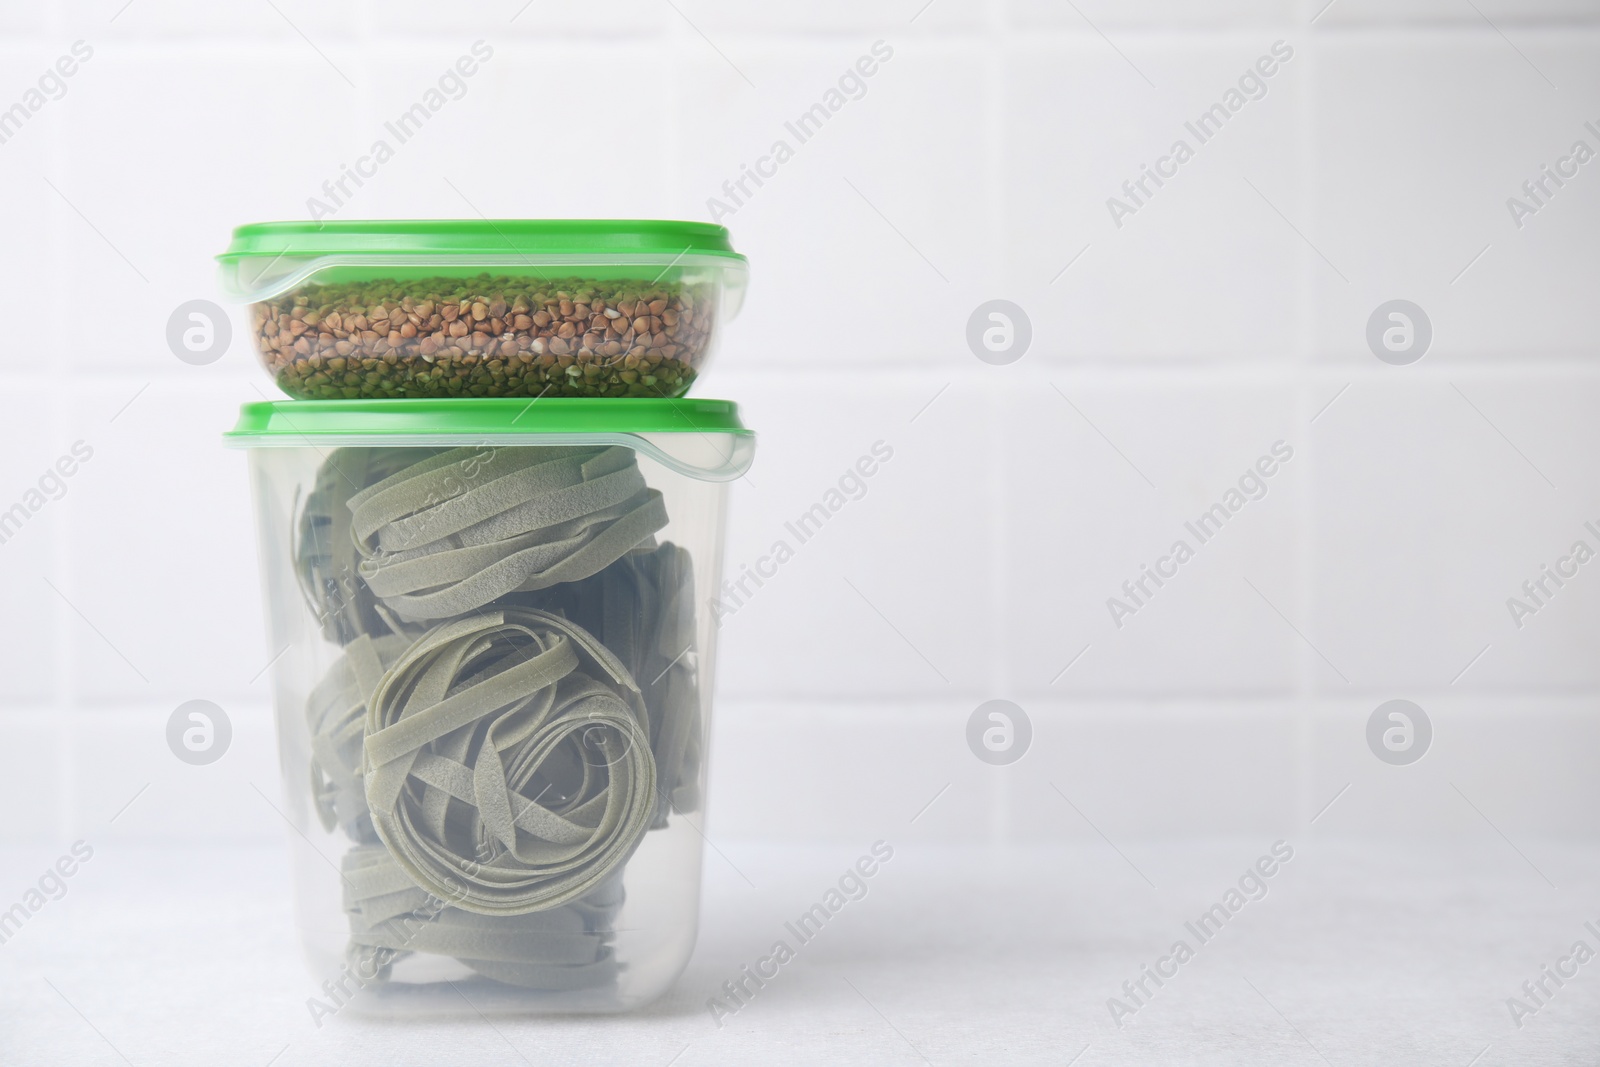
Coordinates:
1227	314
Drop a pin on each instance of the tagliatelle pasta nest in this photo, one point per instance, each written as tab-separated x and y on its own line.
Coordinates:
436	544
516	704
569	947
478	715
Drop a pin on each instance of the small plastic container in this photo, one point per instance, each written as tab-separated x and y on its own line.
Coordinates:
483	308
493	656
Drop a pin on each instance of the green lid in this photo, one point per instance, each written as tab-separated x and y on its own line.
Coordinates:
479	237
700	438
297	420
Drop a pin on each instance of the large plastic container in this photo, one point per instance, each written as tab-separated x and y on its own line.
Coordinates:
492	676
483	307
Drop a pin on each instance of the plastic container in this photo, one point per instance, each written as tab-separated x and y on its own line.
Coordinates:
492	681
514	307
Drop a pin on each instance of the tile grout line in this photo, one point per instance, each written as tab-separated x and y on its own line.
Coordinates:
370	32
674	186
63	525
995	45
1000	665
1305	519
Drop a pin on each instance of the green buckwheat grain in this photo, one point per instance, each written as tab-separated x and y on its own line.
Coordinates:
485	336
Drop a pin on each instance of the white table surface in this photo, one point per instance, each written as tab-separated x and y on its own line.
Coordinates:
1392	953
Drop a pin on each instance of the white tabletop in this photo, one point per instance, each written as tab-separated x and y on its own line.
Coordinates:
1359	953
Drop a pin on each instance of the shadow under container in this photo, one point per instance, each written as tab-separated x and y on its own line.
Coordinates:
424	308
492	685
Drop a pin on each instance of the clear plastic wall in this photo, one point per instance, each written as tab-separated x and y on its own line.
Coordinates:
492	691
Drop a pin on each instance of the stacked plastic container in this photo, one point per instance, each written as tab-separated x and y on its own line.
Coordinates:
490	525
